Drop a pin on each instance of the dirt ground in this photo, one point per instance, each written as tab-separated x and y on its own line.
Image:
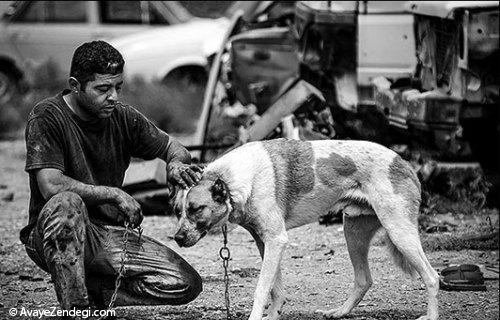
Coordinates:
316	269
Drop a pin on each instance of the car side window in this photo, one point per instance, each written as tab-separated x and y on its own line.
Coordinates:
54	11
121	12
132	12
156	17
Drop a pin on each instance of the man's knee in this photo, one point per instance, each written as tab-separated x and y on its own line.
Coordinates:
63	217
193	286
65	204
190	282
169	289
64	201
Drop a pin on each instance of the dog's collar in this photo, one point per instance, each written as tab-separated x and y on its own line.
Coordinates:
225	216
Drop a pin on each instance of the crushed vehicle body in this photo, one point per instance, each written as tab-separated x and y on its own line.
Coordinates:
315	47
452	98
418	74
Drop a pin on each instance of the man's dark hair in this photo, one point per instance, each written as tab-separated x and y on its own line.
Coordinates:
95	57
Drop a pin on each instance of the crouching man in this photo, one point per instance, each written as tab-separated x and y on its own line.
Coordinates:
79	144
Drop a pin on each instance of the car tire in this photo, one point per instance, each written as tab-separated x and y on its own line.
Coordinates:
187	79
8	86
185	88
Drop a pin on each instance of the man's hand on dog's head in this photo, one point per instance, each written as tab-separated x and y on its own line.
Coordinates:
129	207
184	175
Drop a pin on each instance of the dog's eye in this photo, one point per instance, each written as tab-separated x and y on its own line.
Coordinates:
194	210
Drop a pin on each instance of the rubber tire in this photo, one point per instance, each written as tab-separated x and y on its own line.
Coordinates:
186	79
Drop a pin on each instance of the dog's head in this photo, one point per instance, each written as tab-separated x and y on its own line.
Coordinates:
201	208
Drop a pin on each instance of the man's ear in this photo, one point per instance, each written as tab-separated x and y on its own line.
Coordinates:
74	84
219	191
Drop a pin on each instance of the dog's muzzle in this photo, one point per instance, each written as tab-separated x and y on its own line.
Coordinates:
180	238
186	239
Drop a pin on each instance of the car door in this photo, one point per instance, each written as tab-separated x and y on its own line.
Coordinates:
386	42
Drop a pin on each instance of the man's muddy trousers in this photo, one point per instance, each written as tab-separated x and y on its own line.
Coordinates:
84	259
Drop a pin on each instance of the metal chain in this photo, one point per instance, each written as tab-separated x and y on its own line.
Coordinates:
225	256
121	271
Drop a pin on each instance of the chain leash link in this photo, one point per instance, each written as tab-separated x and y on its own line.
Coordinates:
225	256
121	271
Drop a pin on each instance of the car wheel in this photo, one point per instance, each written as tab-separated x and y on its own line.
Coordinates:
7	87
186	87
187	79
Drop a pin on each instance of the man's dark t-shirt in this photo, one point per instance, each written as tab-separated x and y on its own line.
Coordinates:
96	153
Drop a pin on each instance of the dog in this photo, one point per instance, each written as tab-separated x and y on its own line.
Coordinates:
269	187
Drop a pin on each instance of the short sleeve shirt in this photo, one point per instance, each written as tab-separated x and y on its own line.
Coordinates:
96	153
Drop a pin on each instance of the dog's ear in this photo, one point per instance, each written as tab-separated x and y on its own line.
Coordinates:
219	191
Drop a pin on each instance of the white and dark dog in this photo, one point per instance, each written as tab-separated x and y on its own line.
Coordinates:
268	187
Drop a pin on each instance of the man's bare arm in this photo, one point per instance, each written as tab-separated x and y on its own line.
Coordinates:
53	181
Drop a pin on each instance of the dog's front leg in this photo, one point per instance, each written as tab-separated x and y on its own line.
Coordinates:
273	253
277	298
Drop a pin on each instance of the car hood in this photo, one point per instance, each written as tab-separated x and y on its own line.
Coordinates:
150	43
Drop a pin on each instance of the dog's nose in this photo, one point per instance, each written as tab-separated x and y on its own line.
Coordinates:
180	237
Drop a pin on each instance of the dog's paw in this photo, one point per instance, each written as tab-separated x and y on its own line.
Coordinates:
427	317
331	314
273	314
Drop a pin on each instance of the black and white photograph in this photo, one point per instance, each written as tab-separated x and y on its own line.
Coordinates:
249	160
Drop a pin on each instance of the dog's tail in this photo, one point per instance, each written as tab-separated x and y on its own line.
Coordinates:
399	258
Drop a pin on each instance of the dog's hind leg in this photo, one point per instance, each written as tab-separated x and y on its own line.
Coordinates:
395	196
398	213
408	252
358	233
277	297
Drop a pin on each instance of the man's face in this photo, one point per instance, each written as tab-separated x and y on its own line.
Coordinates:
98	99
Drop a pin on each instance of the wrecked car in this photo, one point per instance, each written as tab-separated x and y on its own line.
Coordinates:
450	103
290	68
